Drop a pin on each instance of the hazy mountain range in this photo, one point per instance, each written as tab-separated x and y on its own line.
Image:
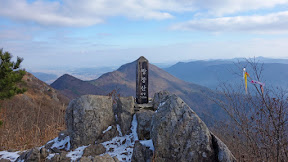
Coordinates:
88	73
209	73
194	77
212	73
124	81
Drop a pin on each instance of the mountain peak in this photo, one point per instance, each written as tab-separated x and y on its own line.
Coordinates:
68	76
73	87
141	58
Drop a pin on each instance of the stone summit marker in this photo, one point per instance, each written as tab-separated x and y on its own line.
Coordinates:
142	80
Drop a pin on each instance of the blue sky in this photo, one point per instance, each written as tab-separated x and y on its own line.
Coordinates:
95	33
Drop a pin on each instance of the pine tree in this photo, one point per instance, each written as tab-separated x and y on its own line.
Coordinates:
10	75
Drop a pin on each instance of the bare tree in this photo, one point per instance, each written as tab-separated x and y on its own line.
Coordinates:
258	127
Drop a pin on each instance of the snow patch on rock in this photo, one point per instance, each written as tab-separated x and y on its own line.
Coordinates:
50	156
119	130
110	127
148	143
122	147
12	156
76	154
61	144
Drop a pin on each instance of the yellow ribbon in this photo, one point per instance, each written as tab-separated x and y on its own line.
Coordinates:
245	78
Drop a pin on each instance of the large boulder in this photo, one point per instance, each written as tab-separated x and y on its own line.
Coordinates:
144	118
99	158
104	158
32	155
94	150
159	98
125	111
93	118
60	158
179	134
141	153
87	117
222	151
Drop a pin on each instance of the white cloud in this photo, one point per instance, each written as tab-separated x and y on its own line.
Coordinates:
270	23
78	13
45	13
222	7
89	12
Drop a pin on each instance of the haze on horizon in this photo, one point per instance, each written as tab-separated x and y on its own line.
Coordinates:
97	33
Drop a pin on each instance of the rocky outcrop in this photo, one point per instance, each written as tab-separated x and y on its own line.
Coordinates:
144	121
87	117
93	118
159	98
32	155
94	150
141	153
104	158
178	134
124	112
222	151
61	157
173	132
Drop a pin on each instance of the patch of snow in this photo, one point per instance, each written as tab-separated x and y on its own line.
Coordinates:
119	130
110	127
148	143
76	154
50	156
122	147
134	128
12	156
116	117
204	155
161	104
65	143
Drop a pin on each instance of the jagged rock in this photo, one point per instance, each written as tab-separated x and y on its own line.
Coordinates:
4	160
43	153
55	150
86	159
94	150
141	153
116	159
104	158
159	98
62	135
30	156
224	154
60	158
124	111
144	121
178	134
87	117
108	135
49	145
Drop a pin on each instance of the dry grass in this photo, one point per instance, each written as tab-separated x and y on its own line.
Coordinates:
33	118
26	125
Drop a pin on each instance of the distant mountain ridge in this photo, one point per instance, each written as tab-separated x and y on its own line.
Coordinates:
212	73
124	81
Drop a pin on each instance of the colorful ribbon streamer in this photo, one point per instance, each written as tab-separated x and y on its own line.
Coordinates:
245	74
261	85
